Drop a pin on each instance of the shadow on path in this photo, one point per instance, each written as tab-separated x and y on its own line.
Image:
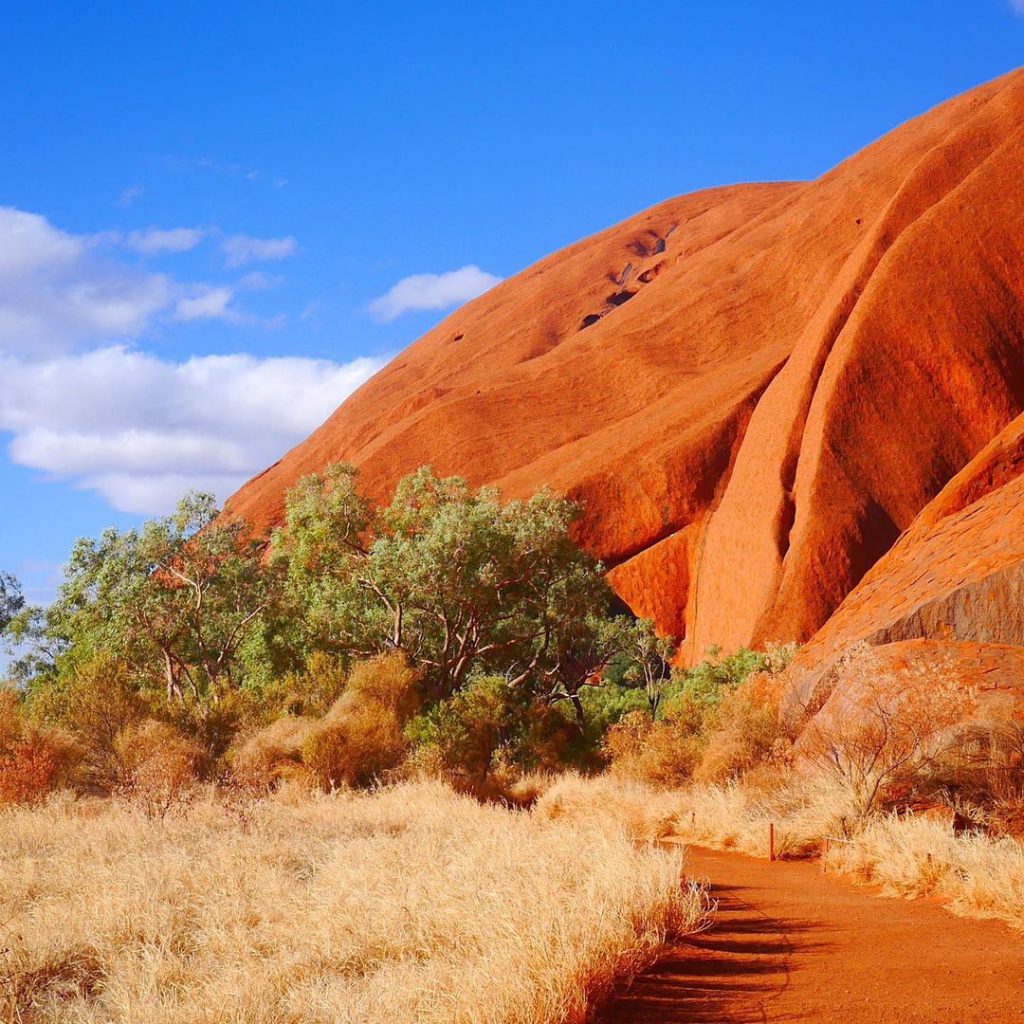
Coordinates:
732	971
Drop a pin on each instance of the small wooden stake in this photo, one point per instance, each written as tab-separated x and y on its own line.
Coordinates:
771	840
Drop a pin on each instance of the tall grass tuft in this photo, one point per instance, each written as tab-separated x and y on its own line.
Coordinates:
411	904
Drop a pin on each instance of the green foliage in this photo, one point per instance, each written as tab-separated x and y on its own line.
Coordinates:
708	682
716	720
642	660
11	599
491	608
468	729
610	702
174	601
459	582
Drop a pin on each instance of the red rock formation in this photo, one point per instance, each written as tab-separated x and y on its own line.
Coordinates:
753	390
957	575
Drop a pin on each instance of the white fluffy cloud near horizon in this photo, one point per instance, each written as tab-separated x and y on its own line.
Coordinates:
81	401
140	430
432	292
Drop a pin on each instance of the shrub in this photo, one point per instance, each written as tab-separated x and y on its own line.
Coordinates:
880	728
662	753
33	761
309	693
746	730
159	765
362	736
32	767
467	730
96	704
271	754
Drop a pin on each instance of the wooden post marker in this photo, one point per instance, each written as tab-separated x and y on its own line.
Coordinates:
771	840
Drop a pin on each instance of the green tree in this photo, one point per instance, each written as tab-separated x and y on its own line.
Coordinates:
175	601
11	600
452	577
644	660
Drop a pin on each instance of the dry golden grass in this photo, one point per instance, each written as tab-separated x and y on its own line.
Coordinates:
646	814
909	856
411	904
916	856
736	816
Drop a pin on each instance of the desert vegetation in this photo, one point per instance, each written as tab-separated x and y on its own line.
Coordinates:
408	904
233	771
407	762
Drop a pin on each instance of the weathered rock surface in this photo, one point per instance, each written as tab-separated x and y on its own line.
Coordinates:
956	575
755	391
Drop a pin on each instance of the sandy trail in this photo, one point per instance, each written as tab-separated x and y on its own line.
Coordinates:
789	944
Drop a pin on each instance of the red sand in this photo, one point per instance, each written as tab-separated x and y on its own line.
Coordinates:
791	945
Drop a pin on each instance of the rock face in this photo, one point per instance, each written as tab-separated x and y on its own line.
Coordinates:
955	577
756	392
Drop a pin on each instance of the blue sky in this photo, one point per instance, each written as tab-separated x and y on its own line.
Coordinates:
211	212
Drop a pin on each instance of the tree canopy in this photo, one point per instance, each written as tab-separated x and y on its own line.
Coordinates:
454	578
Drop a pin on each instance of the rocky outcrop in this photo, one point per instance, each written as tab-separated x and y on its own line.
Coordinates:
755	392
956	575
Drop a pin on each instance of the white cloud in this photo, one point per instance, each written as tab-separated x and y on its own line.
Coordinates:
129	195
141	431
432	291
60	291
154	240
208	303
56	293
242	249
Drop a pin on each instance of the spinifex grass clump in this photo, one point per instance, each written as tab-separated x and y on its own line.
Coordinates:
408	905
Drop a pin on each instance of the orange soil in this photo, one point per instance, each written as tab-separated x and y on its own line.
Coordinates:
791	945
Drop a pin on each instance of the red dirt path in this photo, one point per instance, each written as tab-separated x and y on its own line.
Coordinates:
791	945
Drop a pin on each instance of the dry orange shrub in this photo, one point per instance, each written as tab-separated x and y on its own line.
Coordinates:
33	761
658	753
159	765
272	755
356	742
881	727
748	731
361	736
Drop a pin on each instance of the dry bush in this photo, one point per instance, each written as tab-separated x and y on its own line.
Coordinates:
308	693
643	813
984	772
660	753
882	727
361	736
748	730
341	909
94	706
33	761
35	766
11	721
159	765
918	856
272	754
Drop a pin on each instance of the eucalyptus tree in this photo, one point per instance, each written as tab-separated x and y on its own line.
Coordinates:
458	580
